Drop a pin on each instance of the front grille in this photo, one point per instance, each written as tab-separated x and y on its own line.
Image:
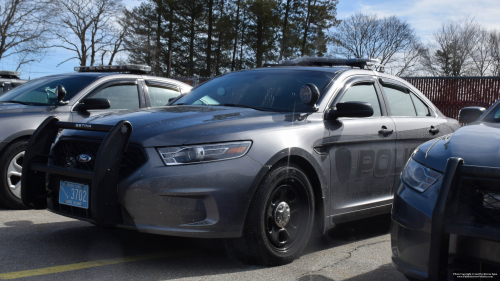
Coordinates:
65	153
479	203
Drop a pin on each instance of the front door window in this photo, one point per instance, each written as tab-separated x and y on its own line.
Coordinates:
120	96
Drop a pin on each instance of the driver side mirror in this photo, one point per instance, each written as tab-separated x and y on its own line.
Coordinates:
89	104
350	109
470	114
60	92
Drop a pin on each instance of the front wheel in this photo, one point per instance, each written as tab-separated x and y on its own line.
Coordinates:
279	220
11	162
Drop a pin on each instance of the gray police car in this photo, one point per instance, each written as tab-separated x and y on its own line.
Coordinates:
71	97
9	80
264	157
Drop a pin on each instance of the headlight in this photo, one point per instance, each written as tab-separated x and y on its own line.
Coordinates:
418	176
203	153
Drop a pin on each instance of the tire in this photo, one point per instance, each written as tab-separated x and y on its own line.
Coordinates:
269	237
10	175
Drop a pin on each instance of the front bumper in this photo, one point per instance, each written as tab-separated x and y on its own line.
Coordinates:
411	230
464	246
199	200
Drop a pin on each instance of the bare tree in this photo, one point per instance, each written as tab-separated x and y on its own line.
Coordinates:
117	39
363	35
89	28
481	55
495	52
407	62
23	30
453	47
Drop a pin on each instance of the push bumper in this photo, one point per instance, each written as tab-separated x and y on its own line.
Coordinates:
102	181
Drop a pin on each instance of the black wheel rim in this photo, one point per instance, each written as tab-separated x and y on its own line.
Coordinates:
292	193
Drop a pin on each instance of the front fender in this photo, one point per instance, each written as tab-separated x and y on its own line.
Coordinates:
304	159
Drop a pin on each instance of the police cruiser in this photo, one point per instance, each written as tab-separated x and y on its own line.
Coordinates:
71	97
262	157
9	80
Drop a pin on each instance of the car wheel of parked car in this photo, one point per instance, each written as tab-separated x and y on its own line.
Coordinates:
280	218
11	162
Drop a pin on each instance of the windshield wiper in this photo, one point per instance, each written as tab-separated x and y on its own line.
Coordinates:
245	106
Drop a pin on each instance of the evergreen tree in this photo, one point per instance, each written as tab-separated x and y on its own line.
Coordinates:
264	21
211	37
191	27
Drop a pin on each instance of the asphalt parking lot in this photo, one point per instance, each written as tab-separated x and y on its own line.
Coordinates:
38	245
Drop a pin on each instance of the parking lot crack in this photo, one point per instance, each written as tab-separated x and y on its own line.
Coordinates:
343	259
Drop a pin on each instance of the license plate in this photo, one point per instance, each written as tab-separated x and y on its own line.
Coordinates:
74	194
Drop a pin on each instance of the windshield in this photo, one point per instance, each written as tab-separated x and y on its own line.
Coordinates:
273	89
494	115
42	91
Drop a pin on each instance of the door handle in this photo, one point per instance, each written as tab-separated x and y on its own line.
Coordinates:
433	130
385	131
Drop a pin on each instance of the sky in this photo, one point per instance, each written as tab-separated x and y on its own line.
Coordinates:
425	16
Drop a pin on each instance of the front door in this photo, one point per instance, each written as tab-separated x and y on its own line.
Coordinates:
361	152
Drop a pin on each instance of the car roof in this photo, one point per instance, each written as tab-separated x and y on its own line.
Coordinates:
88	74
99	75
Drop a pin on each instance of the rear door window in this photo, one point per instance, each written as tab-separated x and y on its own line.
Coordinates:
399	101
420	107
159	95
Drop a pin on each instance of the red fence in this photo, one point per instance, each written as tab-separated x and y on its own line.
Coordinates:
450	94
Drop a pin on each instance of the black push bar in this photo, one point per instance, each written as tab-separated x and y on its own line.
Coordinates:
444	222
103	180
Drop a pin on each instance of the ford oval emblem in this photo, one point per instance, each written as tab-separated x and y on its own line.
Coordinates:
84	158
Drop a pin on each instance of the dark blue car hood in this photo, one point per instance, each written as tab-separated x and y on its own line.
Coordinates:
176	125
478	144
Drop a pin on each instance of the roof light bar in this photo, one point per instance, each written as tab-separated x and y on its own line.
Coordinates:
322	61
10	73
131	68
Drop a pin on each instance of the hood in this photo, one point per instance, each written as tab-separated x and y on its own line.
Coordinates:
478	144
177	125
11	108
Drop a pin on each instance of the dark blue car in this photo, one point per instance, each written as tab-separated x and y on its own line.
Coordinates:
446	211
